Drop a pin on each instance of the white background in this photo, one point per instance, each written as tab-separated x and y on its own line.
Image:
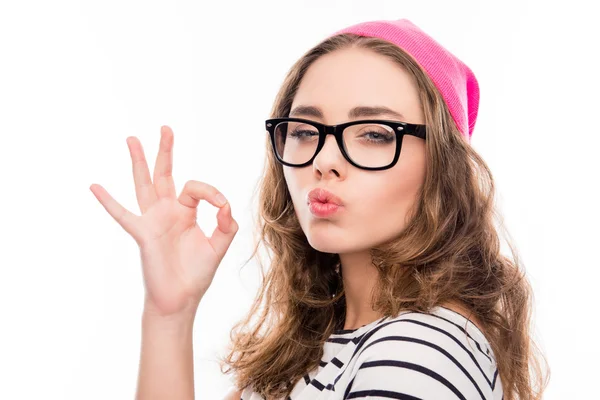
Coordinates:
78	78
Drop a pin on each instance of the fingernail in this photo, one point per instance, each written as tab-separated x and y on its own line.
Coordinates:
221	200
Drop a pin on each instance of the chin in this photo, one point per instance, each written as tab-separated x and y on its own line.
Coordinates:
324	235
325	247
326	241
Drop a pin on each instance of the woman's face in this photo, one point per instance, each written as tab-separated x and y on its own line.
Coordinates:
375	203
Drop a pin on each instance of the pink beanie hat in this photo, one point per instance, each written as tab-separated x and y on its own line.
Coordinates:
455	81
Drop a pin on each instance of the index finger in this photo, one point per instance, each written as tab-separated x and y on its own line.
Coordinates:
194	191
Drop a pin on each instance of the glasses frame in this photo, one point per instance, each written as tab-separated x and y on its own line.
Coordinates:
400	129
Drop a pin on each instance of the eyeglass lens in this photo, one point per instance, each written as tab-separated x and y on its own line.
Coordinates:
368	145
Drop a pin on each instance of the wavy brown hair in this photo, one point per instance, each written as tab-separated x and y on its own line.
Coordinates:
449	251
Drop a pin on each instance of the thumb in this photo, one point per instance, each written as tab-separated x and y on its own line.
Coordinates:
225	231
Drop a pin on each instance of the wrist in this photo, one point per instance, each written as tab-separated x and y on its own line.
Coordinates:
170	325
186	316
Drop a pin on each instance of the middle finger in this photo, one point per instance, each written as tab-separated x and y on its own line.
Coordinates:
163	178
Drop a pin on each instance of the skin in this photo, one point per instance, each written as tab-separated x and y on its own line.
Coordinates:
376	203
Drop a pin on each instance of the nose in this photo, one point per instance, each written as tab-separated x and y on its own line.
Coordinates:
330	161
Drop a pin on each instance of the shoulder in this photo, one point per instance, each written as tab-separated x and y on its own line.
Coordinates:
425	355
440	327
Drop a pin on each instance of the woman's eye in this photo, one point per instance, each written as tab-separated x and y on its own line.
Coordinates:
378	136
304	133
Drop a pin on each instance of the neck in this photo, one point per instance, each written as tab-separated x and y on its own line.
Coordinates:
359	277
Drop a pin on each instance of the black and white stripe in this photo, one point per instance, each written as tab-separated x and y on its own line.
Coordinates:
414	355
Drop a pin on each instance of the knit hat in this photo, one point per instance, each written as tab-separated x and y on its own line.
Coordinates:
455	80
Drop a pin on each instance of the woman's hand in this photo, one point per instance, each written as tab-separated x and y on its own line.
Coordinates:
178	260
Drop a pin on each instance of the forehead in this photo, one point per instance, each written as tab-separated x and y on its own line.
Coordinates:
344	79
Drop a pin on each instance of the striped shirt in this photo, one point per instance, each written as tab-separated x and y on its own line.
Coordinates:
431	356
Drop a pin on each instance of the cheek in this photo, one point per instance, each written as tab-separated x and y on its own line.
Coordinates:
387	202
295	183
395	187
404	184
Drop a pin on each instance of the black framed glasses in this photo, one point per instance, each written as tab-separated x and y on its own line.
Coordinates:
372	144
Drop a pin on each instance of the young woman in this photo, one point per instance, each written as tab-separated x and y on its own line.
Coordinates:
386	277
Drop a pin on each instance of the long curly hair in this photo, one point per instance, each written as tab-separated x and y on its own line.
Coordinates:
449	250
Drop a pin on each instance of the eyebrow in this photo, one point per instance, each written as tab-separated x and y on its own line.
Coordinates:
356	112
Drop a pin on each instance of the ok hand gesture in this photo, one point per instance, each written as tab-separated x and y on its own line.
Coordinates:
178	260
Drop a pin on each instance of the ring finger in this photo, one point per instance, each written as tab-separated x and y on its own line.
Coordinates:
144	189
